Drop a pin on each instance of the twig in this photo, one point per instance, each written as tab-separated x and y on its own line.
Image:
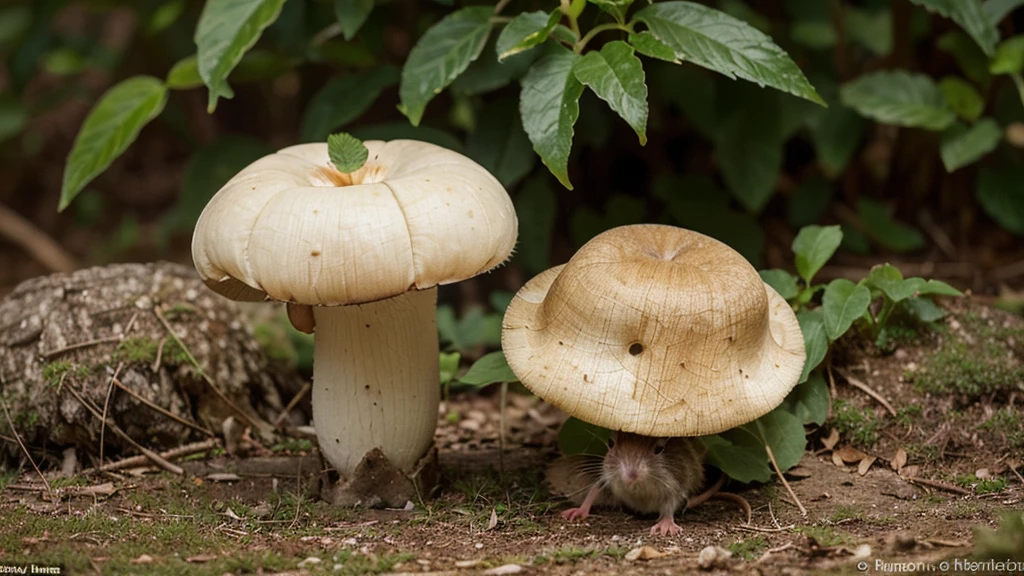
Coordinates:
298	495
31	239
869	391
938	235
22	444
778	472
831	381
161	410
195	364
156	458
106	406
1015	473
173	453
768	553
1009	271
751	528
291	404
503	398
501	6
938	485
159	354
59	351
772	514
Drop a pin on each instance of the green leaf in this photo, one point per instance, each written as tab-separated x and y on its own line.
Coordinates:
549	106
694	92
855	241
226	30
535	207
346	152
184	74
813	246
487	74
962	145
889	280
448	362
750	151
616	75
164	16
525	31
781	281
343	100
111	126
475	328
579	437
999	193
738	455
899	98
923	310
617	8
351	15
970	16
402	130
962	98
837	137
500	299
1009	58
620	210
742	11
814	34
843	303
809	202
489	369
500	145
881	227
997	10
968	55
810	400
646	44
938	288
13	116
784	432
812	324
719	42
872	29
440	55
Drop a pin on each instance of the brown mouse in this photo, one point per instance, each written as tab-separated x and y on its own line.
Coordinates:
642	473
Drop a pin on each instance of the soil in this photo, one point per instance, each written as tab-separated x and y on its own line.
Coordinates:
865	501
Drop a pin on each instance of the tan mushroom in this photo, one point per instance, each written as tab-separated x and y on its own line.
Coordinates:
366	251
655	330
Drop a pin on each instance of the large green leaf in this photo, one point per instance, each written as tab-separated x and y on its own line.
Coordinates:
1009	58
813	246
111	126
842	303
899	98
646	44
487	74
440	55
781	281
740	453
996	10
617	8
694	92
717	41
525	31
500	145
809	202
343	100
871	28
1001	194
836	137
475	328
882	228
749	150
535	208
890	281
489	369
810	400
962	145
616	75
226	30
968	55
549	106
970	16
812	325
351	15
963	98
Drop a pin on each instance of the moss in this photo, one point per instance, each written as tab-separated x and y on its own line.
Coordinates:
825	535
923	452
844	513
572	554
981	486
1009	423
982	367
179	310
292	445
275	342
749	548
145	350
56	372
859	425
907	414
1005	543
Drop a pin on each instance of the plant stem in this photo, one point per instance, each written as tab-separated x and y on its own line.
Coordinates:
501	5
1019	82
595	31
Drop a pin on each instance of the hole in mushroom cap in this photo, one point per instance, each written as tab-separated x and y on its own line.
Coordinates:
636	348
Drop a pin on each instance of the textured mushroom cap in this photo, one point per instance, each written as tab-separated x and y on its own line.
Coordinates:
655	330
291	227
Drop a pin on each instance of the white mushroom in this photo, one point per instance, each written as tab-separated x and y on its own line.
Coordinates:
655	330
366	250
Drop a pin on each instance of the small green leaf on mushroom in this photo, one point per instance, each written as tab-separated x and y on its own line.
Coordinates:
347	152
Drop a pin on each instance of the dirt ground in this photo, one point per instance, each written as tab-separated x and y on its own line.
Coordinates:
924	483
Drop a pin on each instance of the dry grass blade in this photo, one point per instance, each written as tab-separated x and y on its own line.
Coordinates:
171	454
17	436
161	410
782	478
306	387
869	391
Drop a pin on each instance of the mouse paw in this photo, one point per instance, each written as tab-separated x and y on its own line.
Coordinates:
666	526
575	513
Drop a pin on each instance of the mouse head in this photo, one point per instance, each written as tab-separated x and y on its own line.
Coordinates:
633	459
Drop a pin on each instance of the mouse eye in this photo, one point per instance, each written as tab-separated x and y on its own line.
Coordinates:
658	449
611	442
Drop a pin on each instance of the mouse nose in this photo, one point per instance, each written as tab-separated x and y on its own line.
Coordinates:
629	476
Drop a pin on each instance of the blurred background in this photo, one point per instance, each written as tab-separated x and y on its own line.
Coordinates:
747	165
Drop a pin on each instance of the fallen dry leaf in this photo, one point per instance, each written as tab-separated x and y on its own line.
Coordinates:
713	557
200	558
467	563
899	460
832	440
505	569
865	465
798	473
982	474
494	520
644	553
909	471
849	454
143	559
838	460
223	477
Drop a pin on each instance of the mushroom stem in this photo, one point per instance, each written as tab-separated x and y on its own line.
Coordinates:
375	382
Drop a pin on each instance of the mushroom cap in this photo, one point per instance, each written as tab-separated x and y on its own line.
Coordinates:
290	227
655	330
